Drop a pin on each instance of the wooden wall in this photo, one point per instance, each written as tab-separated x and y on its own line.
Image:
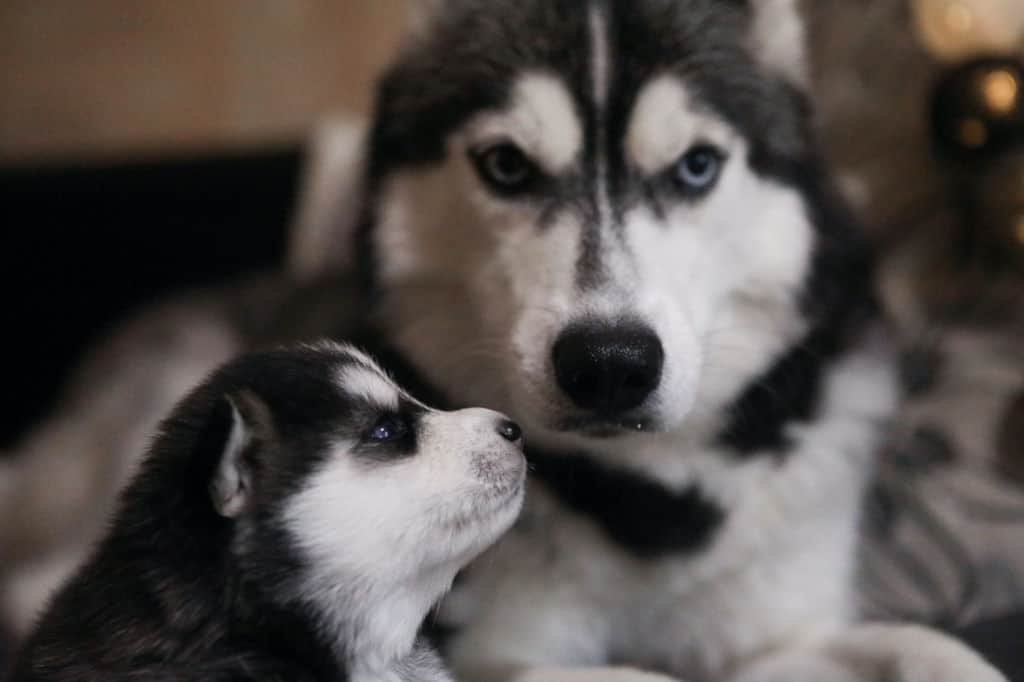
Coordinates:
88	78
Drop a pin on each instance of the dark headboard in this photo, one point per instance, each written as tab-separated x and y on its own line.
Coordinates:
80	246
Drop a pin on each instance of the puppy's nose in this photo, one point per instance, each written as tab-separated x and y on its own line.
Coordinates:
511	432
608	368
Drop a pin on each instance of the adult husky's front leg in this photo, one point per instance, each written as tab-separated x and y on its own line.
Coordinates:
544	659
875	653
517	673
536	639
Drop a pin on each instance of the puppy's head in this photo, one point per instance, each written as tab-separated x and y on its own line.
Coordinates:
334	470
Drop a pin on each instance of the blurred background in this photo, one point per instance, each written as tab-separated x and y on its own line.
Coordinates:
110	79
150	148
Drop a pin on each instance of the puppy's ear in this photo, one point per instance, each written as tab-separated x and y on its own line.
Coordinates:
251	429
777	39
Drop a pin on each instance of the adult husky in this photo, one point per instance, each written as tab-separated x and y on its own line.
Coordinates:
608	219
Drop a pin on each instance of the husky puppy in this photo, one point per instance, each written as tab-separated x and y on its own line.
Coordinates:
296	517
608	218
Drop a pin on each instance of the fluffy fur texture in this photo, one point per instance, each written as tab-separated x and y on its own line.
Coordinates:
718	543
297	516
545	181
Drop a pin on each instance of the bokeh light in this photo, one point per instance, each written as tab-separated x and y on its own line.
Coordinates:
1001	91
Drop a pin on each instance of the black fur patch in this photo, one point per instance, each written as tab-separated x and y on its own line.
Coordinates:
641	515
172	592
788	392
408	421
838	300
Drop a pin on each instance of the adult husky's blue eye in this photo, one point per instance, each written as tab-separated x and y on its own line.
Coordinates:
504	167
699	167
387	428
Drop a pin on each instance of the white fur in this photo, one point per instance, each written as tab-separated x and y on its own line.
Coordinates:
777	38
717	285
385	539
602	674
697	614
328	202
600	59
231	484
421	15
665	123
541	120
875	652
365	382
476	294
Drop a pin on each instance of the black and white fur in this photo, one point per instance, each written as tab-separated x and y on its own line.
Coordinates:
295	519
691	352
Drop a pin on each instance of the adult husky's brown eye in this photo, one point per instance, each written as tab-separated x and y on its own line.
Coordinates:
505	168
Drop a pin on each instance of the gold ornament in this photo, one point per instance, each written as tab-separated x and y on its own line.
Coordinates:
1001	91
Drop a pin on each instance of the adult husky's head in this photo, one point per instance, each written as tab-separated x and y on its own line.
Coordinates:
601	216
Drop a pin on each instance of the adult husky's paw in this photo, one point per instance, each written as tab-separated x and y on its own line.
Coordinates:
873	653
800	666
904	653
589	675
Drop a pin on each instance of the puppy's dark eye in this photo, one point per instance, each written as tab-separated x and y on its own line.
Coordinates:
387	428
505	168
699	168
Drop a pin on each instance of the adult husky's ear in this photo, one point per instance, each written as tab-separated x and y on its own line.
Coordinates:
777	38
251	429
423	13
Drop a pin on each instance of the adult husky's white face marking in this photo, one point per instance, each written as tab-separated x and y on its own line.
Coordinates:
541	123
593	252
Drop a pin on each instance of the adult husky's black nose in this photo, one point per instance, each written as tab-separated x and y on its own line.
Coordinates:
608	368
